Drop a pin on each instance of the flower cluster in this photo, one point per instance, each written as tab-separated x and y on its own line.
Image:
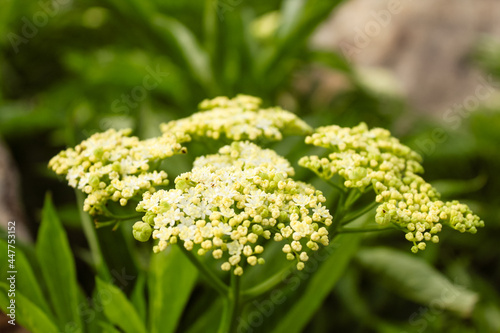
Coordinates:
374	159
240	118
245	155
230	209
113	165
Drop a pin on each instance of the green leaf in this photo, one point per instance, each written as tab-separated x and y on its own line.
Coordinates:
135	8
333	60
27	313
58	267
108	328
185	41
118	308
26	282
171	280
208	321
89	316
319	286
138	296
6	15
290	15
450	188
297	32
414	279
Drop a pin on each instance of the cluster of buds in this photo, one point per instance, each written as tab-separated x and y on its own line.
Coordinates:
240	118
374	159
245	155
114	166
231	209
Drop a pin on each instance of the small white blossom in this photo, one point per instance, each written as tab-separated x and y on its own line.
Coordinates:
240	118
242	205
374	159
113	166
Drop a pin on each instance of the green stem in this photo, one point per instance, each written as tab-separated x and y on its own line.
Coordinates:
212	279
329	181
339	211
91	235
345	202
359	213
354	230
267	285
210	25
108	213
353	195
336	186
231	307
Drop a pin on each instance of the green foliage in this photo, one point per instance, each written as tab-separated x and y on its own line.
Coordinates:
30	316
118	308
26	283
416	280
322	282
170	291
58	268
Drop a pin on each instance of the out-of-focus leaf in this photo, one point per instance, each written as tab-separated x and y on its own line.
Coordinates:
26	282
488	317
5	17
58	267
89	316
208	321
171	280
108	328
27	313
456	187
143	9
118	308
138	296
416	280
290	15
487	53
312	14
17	119
332	60
319	286
195	57
348	293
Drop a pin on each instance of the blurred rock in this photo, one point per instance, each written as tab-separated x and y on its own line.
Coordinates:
427	44
5	327
10	200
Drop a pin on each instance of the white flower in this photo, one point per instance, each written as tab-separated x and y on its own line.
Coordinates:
373	158
111	165
234	248
226	208
239	118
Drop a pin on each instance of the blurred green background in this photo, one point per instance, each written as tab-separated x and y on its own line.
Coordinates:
73	68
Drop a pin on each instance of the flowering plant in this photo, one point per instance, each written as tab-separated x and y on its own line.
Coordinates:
242	200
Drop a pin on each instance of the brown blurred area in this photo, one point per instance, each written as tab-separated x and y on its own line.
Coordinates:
10	200
426	45
5	327
11	210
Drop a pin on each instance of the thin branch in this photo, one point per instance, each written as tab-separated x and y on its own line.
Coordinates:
355	230
91	236
212	279
359	213
267	285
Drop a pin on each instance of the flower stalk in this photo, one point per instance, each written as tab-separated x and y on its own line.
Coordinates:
232	307
208	274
